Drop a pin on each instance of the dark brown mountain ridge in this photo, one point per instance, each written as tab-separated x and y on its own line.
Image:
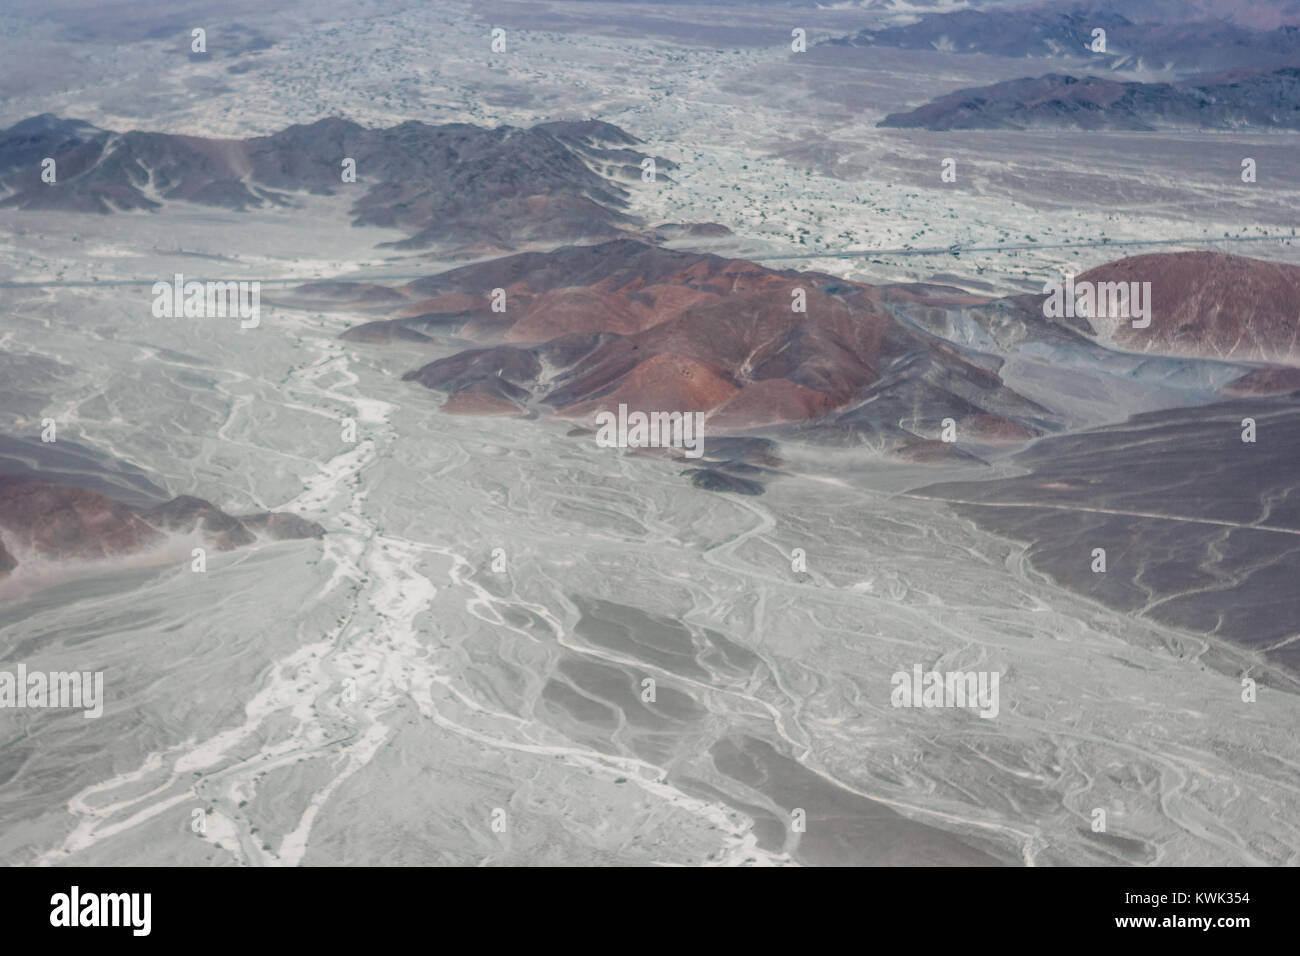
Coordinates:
450	183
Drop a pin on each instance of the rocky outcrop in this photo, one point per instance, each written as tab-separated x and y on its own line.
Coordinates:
63	522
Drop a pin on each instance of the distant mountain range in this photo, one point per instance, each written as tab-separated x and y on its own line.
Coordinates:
452	183
1256	100
1183	37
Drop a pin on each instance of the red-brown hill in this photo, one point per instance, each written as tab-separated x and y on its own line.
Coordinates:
1212	305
